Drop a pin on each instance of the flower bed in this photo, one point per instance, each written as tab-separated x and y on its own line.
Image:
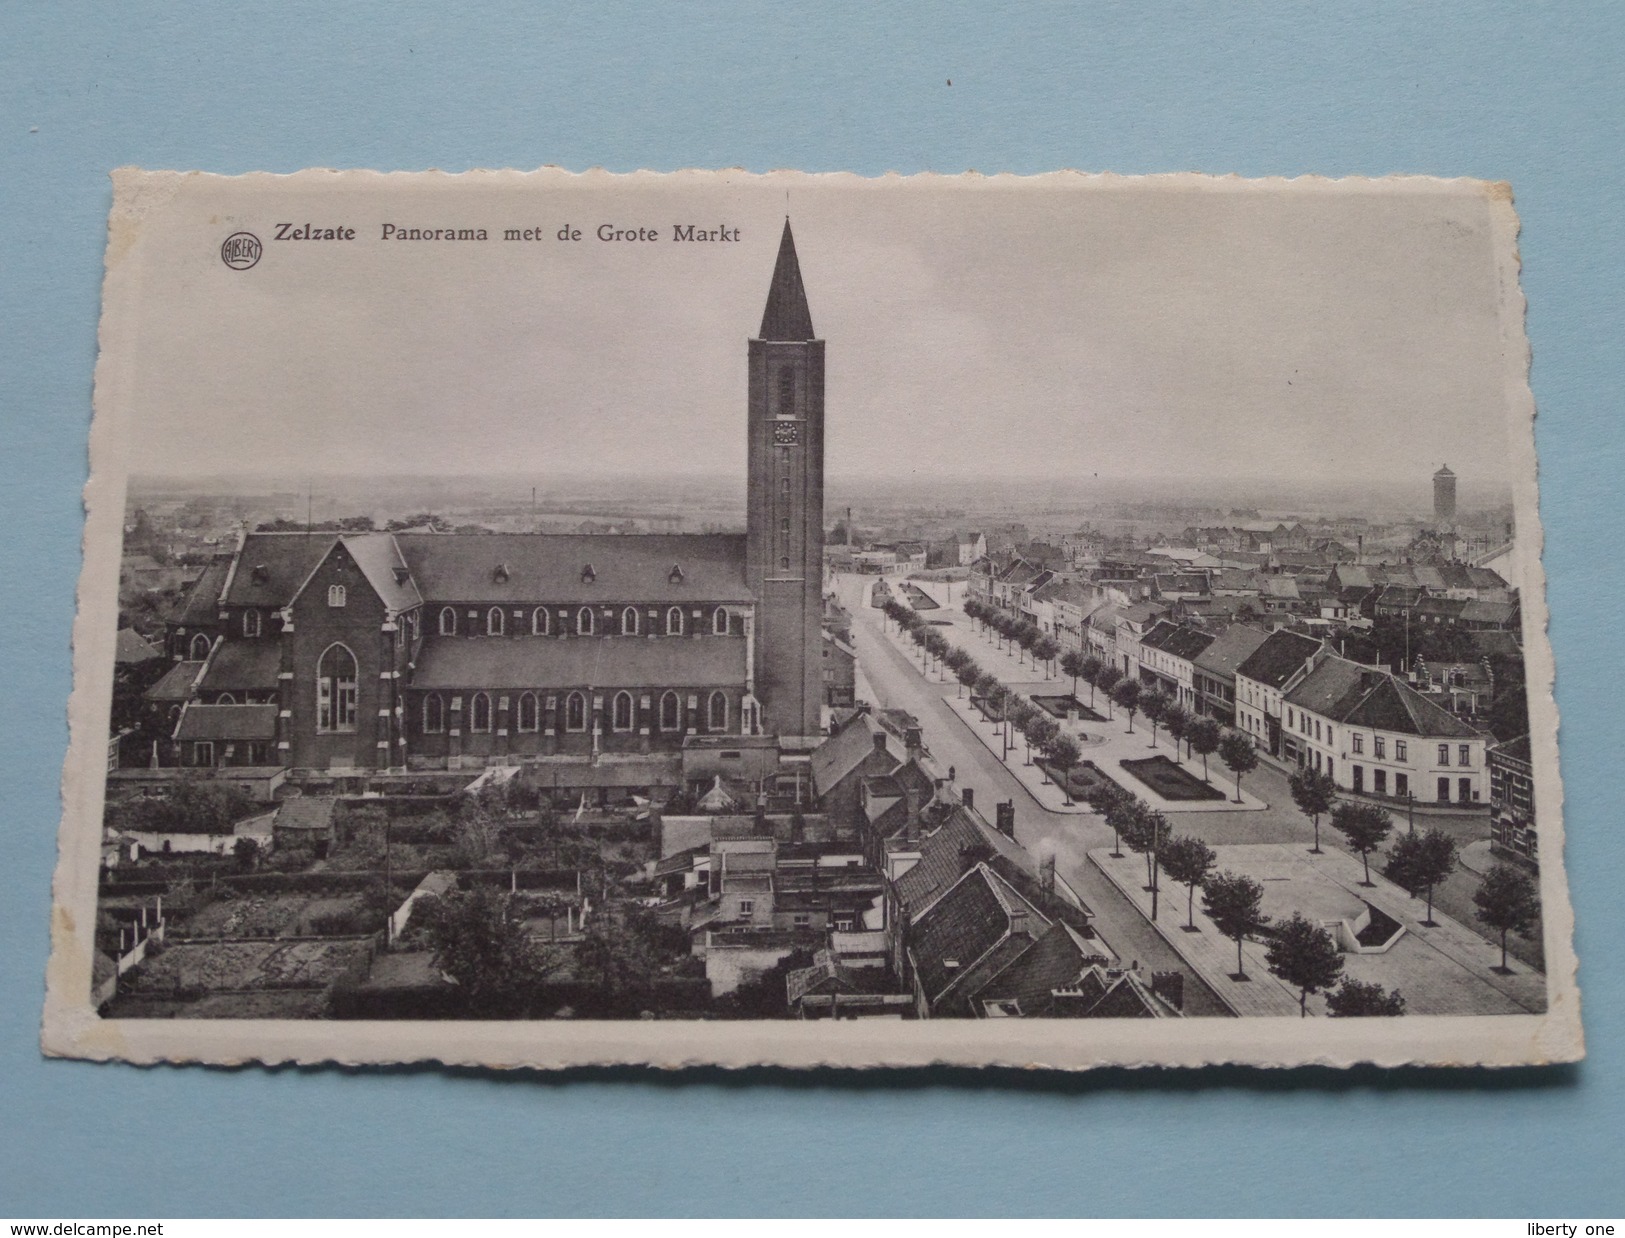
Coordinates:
1083	778
1058	706
1171	781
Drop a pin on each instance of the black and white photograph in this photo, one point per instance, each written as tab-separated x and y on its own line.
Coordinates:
547	619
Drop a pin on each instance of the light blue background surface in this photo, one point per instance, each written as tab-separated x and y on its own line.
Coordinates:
1522	92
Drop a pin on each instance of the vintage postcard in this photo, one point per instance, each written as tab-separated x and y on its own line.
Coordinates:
545	619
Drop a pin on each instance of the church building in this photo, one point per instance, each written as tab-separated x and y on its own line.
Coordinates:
596	657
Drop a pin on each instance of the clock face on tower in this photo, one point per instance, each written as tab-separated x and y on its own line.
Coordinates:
786	433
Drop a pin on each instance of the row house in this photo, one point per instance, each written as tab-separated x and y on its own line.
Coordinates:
1378	737
1133	622
1512	801
1167	660
1213	671
1263	680
1070	604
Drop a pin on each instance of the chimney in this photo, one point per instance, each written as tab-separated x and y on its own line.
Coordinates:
1170	986
880	741
911	802
912	741
1005	820
967	796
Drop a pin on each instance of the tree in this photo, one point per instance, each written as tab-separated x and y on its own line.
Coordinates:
1364	826
1155	706
1177	722
1356	999
1238	753
1188	861
1116	806
1092	666
1203	737
480	941
1108	678
1305	956
1040	730
1046	650
1314	792
1072	663
1127	694
968	673
1064	754
246	851
1145	830
1421	862
617	959
1507	902
765	996
1027	637
1235	905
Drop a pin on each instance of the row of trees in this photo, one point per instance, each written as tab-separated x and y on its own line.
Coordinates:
1013	631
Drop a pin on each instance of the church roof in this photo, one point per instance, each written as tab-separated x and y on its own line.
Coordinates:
786	316
272	566
243	664
550	567
590	661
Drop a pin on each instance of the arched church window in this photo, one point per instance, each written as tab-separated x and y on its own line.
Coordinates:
719	621
575	712
434	714
674	621
584	621
784	563
540	622
448	621
336	690
494	621
335	595
671	712
251	623
528	712
717	712
200	647
479	712
621	718
629	621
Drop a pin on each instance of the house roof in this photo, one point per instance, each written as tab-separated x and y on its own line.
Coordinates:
548	567
580	661
1180	642
1488	612
1449	608
979	915
1324	690
270	567
227	722
379	558
961	841
176	685
1280	656
130	647
834	760
1057	960
201	605
1495	643
1230	649
240	664
306	812
1392	706
1513	749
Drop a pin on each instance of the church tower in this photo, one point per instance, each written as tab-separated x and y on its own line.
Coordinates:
784	556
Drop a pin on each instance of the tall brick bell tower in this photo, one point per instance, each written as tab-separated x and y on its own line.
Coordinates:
784	556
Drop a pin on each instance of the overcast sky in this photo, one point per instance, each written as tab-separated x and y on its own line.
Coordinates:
984	328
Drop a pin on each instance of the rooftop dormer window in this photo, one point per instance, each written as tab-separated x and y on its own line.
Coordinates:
260	575
499	574
675	576
588	575
402	575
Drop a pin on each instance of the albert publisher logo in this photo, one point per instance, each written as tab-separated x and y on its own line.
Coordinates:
240	250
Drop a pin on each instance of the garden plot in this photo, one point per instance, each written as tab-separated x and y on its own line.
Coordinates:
187	967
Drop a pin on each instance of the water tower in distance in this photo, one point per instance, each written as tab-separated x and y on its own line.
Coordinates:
1444	495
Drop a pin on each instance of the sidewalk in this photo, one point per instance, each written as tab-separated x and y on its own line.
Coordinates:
1444	970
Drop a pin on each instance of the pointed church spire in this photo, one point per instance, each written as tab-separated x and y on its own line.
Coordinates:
786	316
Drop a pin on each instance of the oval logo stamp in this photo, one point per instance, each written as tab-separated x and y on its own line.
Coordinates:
240	250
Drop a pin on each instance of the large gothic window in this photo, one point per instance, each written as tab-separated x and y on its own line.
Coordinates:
528	713
434	714
671	712
200	647
584	621
494	621
575	712
629	621
336	690
717	712
621	719
479	712
674	621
